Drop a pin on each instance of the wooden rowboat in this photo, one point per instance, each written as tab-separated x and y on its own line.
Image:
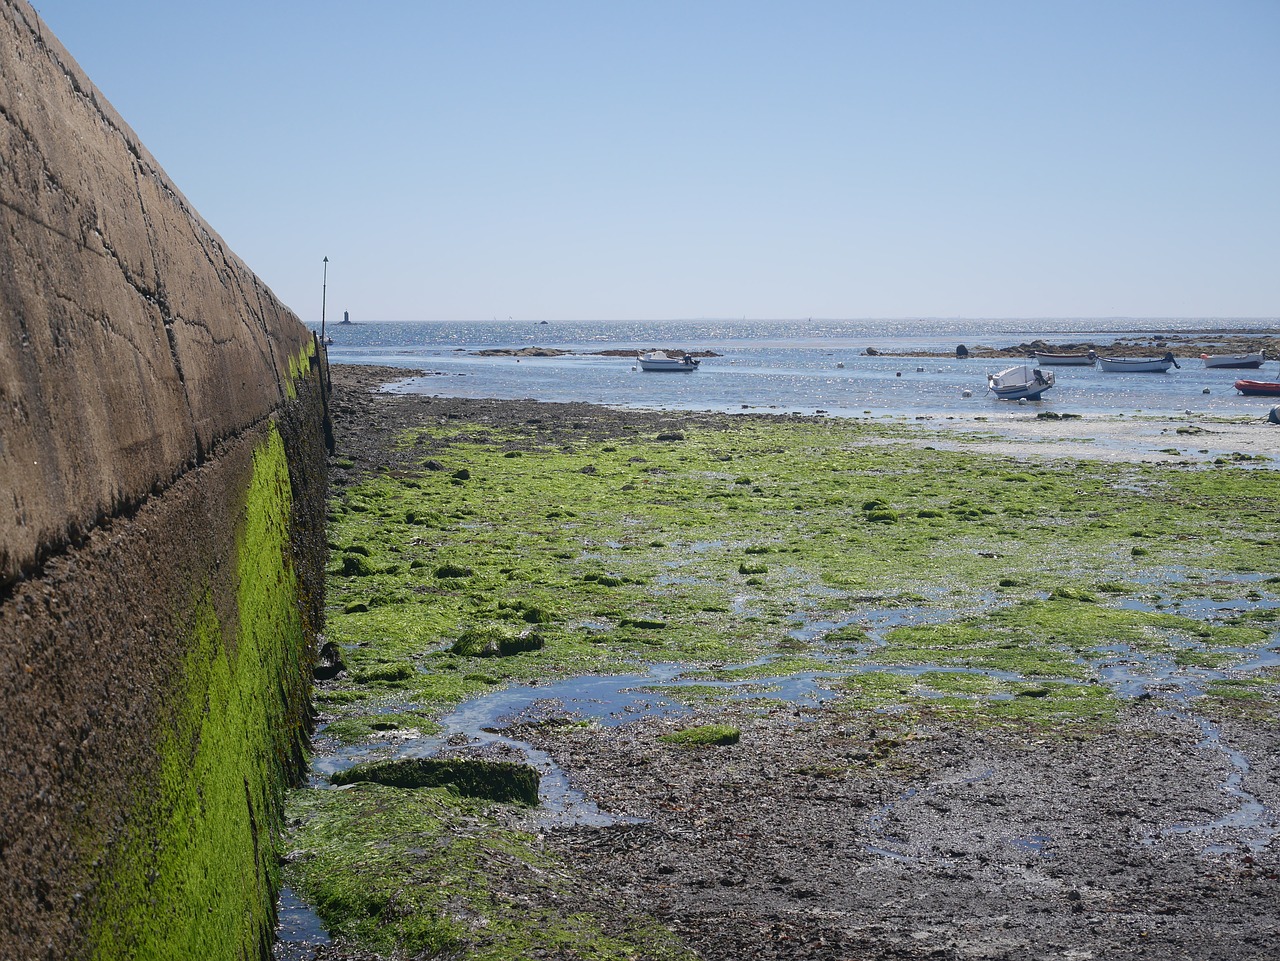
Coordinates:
1139	365
1073	359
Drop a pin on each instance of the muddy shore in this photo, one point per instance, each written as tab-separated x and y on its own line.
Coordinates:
836	835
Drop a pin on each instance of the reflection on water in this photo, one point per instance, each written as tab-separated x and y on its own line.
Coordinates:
785	367
298	929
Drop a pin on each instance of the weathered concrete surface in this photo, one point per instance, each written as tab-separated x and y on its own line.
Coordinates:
131	338
162	485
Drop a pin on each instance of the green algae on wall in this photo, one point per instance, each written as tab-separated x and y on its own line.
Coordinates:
197	875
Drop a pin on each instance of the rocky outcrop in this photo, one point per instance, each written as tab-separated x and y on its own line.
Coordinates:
162	485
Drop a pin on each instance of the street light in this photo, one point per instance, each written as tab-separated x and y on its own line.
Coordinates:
324	286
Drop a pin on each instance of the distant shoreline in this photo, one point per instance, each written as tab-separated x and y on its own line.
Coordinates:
1187	344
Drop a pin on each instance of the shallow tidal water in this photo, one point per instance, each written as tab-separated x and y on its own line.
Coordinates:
794	367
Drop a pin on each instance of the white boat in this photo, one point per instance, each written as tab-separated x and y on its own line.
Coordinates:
661	360
1080	359
1139	365
1020	383
1237	361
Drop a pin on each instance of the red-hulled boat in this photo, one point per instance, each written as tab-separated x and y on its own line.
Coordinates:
1258	388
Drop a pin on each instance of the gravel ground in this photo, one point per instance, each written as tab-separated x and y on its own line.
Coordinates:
844	836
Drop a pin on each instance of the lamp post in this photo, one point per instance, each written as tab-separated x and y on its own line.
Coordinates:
324	286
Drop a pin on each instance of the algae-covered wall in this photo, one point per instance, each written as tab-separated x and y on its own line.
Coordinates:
162	486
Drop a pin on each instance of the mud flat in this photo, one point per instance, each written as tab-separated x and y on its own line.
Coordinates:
796	688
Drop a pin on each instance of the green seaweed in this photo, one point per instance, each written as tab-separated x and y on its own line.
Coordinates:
1012	579
443	878
197	874
703	735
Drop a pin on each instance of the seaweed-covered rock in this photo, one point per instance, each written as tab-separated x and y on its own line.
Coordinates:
496	640
505	781
703	735
446	571
356	565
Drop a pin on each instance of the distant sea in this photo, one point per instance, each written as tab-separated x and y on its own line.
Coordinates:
801	367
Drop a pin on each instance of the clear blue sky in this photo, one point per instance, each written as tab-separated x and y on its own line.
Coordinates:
646	159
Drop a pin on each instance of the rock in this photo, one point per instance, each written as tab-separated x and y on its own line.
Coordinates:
356	565
445	571
330	664
504	781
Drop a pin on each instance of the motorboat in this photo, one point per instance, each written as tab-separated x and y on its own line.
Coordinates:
1237	361
1071	359
1140	365
1258	388
661	360
1020	383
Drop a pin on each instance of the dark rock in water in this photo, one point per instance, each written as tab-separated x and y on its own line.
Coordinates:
492	780
330	664
962	352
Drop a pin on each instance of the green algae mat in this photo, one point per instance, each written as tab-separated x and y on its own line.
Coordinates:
899	577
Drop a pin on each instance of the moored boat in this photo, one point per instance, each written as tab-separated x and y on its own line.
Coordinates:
1258	388
1020	383
1139	365
1235	361
1071	358
661	360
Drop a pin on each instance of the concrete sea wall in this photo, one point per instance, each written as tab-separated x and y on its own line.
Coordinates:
162	485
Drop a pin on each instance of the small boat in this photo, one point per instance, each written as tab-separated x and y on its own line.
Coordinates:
1258	388
1140	365
1020	383
661	360
1237	361
1073	359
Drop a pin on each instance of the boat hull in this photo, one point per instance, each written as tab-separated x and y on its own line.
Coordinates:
1065	360
1235	361
1258	388
1137	365
1019	393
